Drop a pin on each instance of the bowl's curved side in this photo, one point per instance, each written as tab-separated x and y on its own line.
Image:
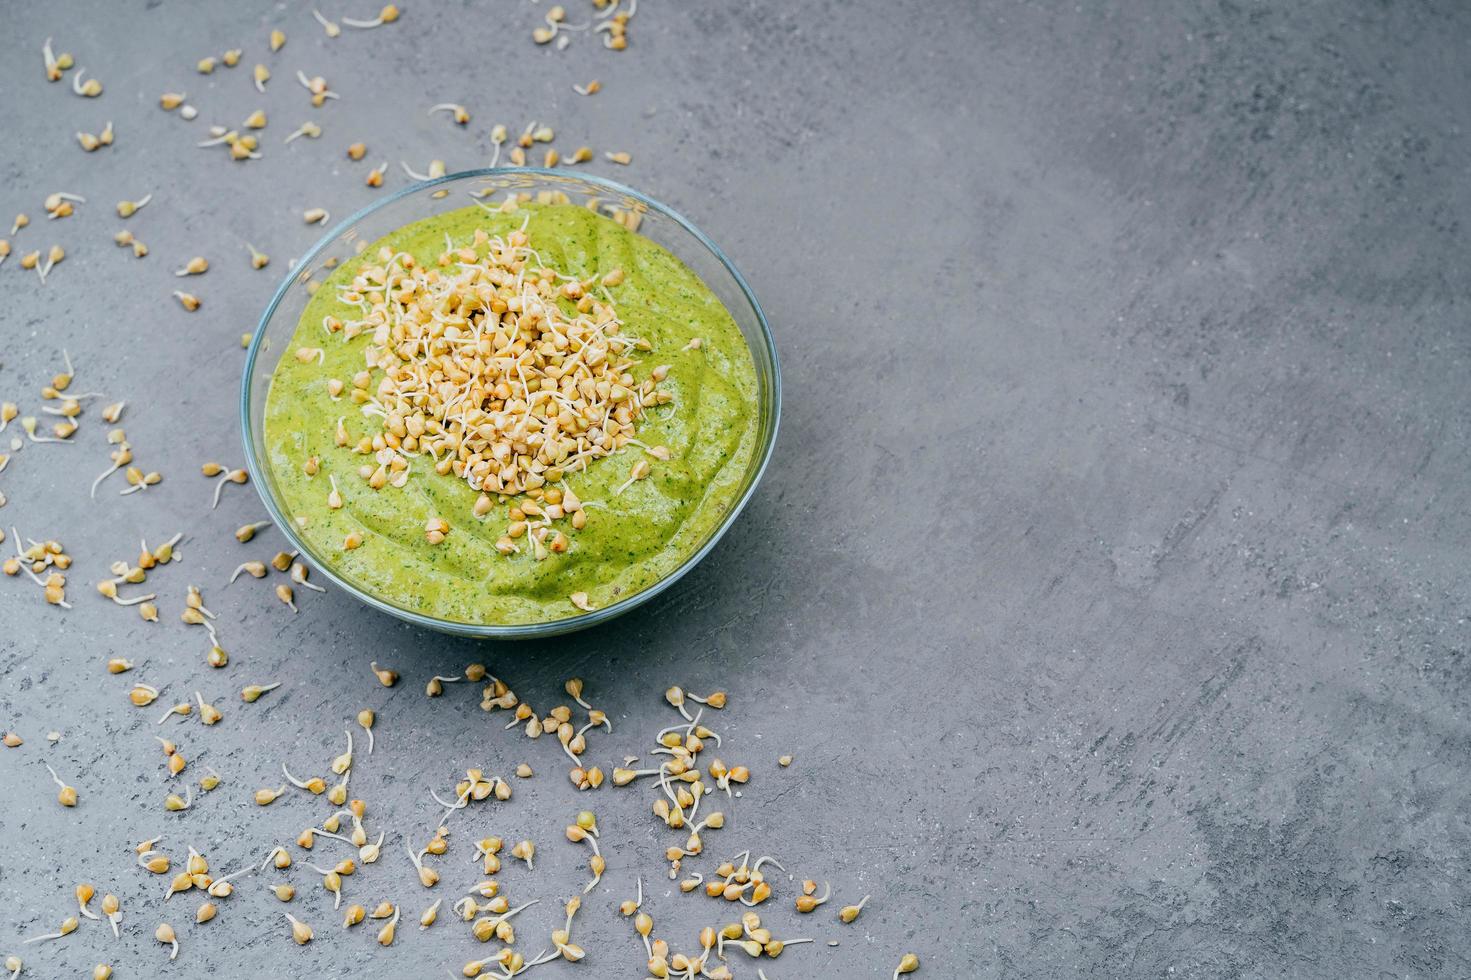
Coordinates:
253	391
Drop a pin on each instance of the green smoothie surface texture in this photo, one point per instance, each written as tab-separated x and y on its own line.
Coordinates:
631	540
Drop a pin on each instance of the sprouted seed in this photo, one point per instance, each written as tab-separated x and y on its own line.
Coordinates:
89	89
428	877
126	209
265	797
387	15
308	129
386	934
850	912
315	216
386	676
165	934
435	687
459	113
256	569
253	692
258	259
809	902
366	718
301	933
67	796
331	29
429	915
233	476
436	170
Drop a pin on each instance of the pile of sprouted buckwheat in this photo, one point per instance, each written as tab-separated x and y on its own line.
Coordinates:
692	790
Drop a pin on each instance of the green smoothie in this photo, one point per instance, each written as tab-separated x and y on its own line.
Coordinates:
636	532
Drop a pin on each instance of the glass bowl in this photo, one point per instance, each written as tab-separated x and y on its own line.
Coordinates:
655	221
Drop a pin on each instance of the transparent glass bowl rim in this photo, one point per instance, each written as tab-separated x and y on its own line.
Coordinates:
257	467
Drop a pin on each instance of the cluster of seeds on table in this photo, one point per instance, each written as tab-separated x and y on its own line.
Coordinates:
337	850
608	19
611	19
526	376
496	696
124	574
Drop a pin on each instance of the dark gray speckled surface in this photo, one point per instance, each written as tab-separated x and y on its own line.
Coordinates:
1110	581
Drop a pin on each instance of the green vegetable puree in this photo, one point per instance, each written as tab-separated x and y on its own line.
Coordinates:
631	540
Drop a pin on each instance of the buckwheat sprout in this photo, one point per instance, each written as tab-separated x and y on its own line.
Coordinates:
174	803
428	877
221	887
67	796
331	881
120	457
370	851
807	903
332	29
256	569
366	717
84	893
308	129
247	531
435	687
908	963
301	933
89	89
573	687
509	914
67	927
675	696
252	693
386	934
265	797
387	15
233	476
460	113
298	575
497	137
316	785
449	808
165	934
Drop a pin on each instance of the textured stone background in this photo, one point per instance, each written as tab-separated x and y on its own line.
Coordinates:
1110	580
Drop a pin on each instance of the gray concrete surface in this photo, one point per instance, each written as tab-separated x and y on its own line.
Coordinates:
1109	584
